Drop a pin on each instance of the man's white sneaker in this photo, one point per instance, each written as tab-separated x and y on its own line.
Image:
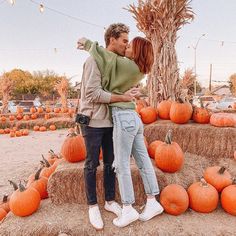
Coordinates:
113	207
128	215
95	218
152	208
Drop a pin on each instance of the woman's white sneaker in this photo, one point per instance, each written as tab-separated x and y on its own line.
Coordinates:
128	215
152	208
95	218
113	207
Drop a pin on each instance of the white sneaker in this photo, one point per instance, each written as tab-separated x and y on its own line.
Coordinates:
113	207
128	215
152	208
95	218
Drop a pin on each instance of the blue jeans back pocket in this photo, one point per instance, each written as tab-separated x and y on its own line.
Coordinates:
127	121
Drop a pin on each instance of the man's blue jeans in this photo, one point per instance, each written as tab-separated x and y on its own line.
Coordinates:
94	139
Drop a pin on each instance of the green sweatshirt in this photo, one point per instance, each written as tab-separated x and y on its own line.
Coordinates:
119	74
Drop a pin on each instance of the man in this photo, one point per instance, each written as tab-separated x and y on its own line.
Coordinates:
98	132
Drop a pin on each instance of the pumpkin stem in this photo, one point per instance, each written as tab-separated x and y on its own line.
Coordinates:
203	182
168	137
37	174
201	103
21	187
221	170
5	196
13	184
45	161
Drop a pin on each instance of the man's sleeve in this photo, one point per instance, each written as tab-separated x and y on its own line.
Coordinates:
92	83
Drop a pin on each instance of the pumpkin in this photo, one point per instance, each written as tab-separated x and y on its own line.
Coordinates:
19	110
201	115
48	169
2	131
64	109
48	109
218	177
235	155
3	119
5	203
33	110
164	109
18	133
11	118
47	116
36	128
7	131
203	197
14	128
180	112
148	115
34	116
169	156
223	119
152	148
228	198
40	110
26	117
42	129
174	199
19	116
12	134
52	127
25	132
3	214
73	148
24	201
56	109
52	157
39	183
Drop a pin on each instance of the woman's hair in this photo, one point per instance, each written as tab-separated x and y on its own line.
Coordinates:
143	54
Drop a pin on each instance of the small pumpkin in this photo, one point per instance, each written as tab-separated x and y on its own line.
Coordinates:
64	109
48	109
48	169
3	119
169	156
203	197
148	115
47	116
34	116
25	132
52	127
40	110
228	198
152	148
12	134
52	157
56	110
26	117
7	131
11	118
3	214
2	131
36	128
33	110
19	116
18	133
174	199
164	109
24	201
218	177
5	203
42	129
73	148
201	115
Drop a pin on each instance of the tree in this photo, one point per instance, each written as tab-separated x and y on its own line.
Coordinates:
232	83
6	87
160	20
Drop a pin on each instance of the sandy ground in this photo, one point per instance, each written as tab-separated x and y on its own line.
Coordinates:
19	157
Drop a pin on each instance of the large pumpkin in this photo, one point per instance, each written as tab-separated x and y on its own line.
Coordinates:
180	112
24	202
203	197
218	177
169	156
164	109
223	119
152	148
148	115
228	199
73	148
174	199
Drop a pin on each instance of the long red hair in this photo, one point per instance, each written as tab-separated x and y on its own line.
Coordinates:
143	54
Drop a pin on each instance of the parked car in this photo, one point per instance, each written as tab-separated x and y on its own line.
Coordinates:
27	104
226	103
11	106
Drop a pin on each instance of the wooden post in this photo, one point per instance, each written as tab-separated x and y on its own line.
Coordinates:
210	77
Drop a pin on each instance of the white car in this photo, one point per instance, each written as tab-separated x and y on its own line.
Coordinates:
11	107
226	103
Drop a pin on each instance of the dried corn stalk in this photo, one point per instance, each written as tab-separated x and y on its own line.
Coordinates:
160	20
62	88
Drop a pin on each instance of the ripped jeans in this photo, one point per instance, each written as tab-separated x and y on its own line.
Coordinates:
94	139
128	139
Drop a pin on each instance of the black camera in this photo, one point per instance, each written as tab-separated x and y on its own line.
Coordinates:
82	119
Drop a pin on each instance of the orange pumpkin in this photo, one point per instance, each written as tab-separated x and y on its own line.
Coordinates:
73	148
33	110
201	115
52	127
18	133
7	131
169	156
164	109
42	129
141	103
228	199
52	157
48	109
19	110
40	110
2	131
203	197
218	177
152	148
5	203
235	155
19	116
223	119
3	214
174	199
12	134
48	169
3	119
25	132
36	128
47	116
180	112
56	110
26	117
34	116
39	183
24	202
11	118
148	115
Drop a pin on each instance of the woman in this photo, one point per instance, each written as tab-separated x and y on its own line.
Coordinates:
119	74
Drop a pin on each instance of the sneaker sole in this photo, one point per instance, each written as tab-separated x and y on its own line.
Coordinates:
122	226
155	214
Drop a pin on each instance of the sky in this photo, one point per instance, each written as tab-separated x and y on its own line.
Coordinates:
33	40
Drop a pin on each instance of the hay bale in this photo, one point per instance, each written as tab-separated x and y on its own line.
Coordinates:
66	185
72	219
204	140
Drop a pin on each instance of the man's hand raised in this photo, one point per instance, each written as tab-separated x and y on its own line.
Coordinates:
81	43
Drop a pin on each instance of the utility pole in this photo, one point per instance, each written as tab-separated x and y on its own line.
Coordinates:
210	77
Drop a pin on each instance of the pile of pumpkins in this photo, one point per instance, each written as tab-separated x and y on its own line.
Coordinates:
180	112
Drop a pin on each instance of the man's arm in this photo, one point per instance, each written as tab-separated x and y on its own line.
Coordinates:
93	89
